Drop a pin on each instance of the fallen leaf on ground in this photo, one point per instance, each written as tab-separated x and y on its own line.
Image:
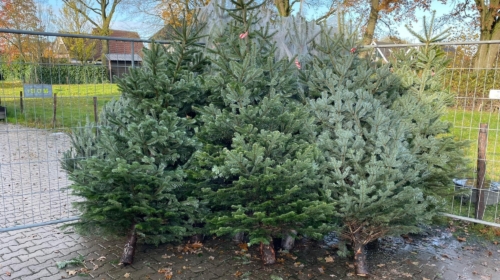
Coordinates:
490	253
101	258
298	264
445	256
167	272
381	265
461	239
238	273
243	246
321	270
280	260
95	267
211	258
127	275
329	259
414	263
71	272
209	249
197	245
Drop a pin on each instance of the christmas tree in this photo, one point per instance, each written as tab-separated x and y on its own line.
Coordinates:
422	71
258	165
375	169
130	168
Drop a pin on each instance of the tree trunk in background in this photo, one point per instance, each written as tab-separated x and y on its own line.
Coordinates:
283	7
371	24
486	54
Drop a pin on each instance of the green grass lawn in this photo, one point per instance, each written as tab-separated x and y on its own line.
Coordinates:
75	104
466	127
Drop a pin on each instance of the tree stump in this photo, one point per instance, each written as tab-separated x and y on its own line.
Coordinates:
267	253
129	249
288	241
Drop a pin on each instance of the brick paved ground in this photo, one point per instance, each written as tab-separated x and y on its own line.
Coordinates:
31	180
31	184
33	253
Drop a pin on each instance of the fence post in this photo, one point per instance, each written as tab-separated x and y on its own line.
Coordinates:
133	54
95	110
54	111
21	101
482	141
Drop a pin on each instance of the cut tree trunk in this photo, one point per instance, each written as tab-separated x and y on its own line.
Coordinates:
239	238
129	249
197	238
267	253
288	241
359	256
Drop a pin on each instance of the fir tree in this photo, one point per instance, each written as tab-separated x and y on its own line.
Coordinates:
130	170
422	71
375	170
258	164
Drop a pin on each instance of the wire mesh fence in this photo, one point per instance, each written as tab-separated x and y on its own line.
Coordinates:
45	92
63	82
473	79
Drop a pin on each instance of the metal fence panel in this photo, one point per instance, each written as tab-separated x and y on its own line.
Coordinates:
35	126
34	131
470	82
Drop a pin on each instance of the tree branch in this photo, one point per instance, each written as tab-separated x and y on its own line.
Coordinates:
326	15
75	8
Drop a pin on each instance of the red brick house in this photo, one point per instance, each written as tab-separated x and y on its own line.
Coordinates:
121	54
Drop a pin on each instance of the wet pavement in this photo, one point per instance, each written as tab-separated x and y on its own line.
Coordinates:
441	252
31	183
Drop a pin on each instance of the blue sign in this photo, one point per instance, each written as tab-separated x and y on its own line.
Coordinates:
37	90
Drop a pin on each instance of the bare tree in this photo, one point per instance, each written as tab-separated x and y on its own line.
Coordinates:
103	9
73	22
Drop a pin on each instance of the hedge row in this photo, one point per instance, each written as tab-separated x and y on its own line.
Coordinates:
54	74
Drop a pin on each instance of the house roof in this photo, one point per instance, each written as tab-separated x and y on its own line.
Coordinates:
122	57
165	33
120	47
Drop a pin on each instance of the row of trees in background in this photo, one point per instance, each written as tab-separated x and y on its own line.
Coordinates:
376	18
